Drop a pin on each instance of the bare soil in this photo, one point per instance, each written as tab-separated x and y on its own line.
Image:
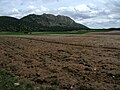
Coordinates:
70	62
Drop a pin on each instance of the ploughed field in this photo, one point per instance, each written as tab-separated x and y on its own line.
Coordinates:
69	62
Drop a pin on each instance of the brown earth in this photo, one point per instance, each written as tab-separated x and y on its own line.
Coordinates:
70	62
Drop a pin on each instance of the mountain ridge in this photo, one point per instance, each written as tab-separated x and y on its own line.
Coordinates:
44	22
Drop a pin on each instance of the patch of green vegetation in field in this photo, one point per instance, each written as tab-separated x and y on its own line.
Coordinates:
10	82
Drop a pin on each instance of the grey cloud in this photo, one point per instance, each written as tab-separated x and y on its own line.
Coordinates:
106	14
76	15
113	6
7	6
49	1
81	16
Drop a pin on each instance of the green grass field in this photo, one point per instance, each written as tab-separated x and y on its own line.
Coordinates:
42	33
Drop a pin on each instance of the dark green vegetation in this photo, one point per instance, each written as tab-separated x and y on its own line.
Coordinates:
67	32
10	82
12	33
38	23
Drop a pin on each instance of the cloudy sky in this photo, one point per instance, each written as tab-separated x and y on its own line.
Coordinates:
92	13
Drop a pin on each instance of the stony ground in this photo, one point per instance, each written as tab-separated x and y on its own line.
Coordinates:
69	62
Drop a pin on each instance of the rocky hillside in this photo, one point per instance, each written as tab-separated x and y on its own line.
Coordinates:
45	22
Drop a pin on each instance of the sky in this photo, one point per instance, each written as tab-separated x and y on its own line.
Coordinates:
92	13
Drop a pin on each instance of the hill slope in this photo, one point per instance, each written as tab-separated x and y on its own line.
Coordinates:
8	23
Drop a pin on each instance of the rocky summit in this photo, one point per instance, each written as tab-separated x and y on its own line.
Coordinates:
44	22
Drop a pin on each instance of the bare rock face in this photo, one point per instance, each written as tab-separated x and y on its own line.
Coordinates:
50	20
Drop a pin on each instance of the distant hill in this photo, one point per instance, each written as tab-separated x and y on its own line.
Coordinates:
45	22
114	28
